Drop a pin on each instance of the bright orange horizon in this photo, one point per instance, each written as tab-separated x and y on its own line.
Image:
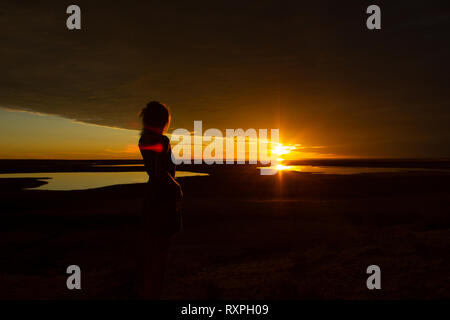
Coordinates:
28	135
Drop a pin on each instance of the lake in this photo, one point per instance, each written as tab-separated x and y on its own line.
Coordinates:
88	180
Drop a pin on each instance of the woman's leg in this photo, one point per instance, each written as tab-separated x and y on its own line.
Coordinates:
155	267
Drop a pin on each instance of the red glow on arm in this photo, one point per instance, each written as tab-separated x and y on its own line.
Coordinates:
152	147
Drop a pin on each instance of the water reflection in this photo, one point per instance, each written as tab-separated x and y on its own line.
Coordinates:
342	170
88	180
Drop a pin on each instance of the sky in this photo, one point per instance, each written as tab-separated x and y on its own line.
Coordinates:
310	68
40	136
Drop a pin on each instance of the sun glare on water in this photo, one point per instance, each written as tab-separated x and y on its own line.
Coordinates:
281	167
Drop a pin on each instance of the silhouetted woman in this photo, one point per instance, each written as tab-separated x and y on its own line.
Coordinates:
161	217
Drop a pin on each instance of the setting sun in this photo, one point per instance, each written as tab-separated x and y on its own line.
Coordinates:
281	149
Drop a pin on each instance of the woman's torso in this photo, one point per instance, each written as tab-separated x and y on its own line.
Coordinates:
157	155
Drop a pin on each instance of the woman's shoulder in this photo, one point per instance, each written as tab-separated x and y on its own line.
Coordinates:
155	142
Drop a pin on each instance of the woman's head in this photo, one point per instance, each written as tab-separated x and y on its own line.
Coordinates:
155	117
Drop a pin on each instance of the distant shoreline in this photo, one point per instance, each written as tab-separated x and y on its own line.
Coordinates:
38	166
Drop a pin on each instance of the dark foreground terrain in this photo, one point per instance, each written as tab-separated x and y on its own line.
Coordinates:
289	236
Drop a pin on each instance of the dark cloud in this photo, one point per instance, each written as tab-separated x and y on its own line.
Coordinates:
311	68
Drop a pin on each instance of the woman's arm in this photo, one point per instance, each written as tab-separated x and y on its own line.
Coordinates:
175	186
158	172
